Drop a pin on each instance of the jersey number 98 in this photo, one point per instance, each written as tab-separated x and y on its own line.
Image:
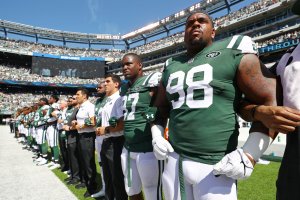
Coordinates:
192	85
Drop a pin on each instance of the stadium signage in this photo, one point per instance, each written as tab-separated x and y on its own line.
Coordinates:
282	45
70	57
64	57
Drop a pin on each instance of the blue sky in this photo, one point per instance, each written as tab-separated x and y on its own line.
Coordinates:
90	16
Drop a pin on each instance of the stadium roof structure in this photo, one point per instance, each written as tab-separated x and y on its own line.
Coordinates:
58	35
177	20
160	27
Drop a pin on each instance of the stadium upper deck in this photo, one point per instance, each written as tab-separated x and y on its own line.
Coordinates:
162	26
264	20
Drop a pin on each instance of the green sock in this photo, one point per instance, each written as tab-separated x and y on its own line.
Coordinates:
29	141
44	148
55	153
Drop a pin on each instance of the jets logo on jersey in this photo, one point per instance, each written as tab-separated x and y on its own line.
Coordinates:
213	54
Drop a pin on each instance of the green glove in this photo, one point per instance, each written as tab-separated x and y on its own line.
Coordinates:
149	114
113	121
88	122
98	122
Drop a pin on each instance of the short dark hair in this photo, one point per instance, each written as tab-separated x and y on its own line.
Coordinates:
84	91
203	12
137	57
55	97
44	99
115	78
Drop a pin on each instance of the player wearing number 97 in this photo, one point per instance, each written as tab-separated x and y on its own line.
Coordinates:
200	92
137	155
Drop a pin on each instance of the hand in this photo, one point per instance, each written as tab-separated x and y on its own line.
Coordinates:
74	123
77	127
278	118
66	127
235	165
100	131
161	147
54	114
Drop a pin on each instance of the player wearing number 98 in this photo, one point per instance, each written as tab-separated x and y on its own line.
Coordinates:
137	155
200	92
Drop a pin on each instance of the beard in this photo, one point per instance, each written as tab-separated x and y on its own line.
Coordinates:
101	95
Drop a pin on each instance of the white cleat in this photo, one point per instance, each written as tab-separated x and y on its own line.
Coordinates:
42	162
56	165
38	160
50	164
101	193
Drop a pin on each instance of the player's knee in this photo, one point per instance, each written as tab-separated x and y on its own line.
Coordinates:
131	191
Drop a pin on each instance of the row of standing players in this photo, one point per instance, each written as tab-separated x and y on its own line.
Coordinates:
198	95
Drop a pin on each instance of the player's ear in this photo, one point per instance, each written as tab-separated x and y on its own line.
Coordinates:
140	66
213	33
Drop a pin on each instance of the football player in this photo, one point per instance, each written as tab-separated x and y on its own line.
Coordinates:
200	92
40	127
140	167
99	139
51	131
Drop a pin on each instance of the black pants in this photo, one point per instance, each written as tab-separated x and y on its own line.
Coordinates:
63	152
73	157
112	168
288	182
86	148
11	125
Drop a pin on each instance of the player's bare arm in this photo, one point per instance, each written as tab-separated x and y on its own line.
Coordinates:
277	118
258	85
265	94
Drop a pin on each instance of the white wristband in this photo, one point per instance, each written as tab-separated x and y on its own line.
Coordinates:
256	144
157	130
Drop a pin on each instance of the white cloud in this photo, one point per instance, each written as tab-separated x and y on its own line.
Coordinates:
93	6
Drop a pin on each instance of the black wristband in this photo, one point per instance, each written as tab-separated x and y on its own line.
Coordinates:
253	110
106	130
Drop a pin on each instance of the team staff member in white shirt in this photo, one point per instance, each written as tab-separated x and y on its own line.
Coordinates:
62	135
113	140
87	137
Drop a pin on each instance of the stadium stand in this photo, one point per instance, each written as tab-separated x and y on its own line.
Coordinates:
23	74
57	50
269	22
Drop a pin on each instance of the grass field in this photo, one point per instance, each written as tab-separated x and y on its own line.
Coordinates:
78	192
260	186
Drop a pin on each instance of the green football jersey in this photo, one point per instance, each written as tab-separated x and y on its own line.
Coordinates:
38	117
204	96
136	101
69	112
98	110
26	120
29	119
18	121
